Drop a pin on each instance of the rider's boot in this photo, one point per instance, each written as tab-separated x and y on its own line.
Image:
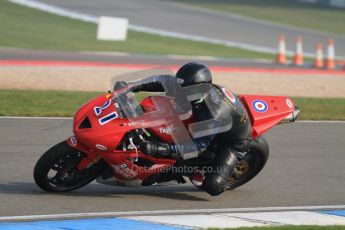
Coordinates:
197	179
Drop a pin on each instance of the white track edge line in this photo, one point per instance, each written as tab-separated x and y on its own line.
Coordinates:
260	21
157	212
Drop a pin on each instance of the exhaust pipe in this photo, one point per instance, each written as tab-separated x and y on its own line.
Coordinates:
292	116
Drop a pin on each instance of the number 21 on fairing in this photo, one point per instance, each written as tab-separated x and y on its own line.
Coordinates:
107	118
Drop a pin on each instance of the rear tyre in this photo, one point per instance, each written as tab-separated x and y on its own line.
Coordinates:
253	162
56	170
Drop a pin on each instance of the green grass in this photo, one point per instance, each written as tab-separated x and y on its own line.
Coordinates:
290	12
290	228
29	28
65	103
321	108
42	103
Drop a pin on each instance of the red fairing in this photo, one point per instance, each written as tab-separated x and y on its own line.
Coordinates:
107	134
99	129
266	111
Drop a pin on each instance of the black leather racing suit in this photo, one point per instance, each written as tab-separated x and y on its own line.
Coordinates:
220	104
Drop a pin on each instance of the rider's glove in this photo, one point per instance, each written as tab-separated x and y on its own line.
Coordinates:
158	149
120	84
136	88
148	148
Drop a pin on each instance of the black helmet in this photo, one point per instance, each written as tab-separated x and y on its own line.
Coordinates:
193	73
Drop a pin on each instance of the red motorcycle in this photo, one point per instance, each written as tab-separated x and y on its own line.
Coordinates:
105	144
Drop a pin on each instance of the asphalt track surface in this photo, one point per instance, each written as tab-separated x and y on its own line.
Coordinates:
170	16
124	58
306	167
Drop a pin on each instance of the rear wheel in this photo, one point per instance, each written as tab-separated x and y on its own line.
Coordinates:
56	170
253	162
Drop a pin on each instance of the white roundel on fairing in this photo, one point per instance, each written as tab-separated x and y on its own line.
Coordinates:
289	103
229	95
260	106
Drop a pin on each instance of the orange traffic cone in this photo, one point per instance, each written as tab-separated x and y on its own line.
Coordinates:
318	63
330	63
298	58
281	56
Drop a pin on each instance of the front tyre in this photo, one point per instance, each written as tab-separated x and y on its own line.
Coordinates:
56	170
253	162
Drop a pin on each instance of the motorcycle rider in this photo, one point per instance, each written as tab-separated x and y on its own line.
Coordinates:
236	139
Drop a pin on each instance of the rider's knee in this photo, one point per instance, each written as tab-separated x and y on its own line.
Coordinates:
241	146
214	185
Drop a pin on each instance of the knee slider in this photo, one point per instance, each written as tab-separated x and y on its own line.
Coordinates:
214	184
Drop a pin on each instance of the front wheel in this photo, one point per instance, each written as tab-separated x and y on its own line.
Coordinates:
253	162
56	170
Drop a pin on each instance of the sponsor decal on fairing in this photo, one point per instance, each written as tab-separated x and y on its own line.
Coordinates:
169	130
135	123
124	171
101	147
98	109
73	140
108	118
